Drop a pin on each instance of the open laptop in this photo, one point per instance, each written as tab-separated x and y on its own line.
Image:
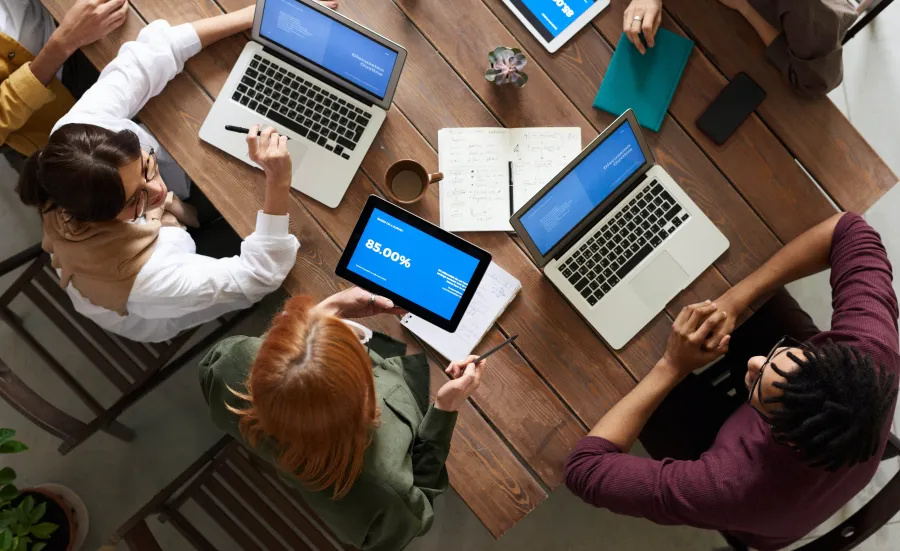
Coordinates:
317	77
616	235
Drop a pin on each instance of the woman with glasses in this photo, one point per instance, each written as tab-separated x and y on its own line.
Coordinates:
795	431
109	198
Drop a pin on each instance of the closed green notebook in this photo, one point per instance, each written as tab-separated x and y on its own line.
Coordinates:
644	83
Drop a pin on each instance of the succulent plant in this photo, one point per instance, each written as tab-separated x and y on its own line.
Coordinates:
506	66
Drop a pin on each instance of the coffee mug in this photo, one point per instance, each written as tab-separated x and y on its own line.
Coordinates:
407	181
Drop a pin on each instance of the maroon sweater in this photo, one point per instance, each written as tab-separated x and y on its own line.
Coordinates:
746	484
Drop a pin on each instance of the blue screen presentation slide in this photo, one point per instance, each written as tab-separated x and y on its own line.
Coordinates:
412	264
348	54
582	189
552	17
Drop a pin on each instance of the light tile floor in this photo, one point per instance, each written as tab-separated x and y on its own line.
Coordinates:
172	427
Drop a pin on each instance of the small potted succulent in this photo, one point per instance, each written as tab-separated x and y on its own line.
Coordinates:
506	67
39	518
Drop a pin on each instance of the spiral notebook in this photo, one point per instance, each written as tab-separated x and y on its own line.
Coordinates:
644	83
497	290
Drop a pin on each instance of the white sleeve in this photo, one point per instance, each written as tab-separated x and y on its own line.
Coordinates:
140	71
183	283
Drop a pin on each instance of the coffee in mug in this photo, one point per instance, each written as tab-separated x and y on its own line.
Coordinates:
407	181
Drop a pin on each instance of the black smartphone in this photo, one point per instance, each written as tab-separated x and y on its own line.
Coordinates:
732	106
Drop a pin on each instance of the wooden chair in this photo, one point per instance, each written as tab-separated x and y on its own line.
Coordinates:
134	369
862	524
246	499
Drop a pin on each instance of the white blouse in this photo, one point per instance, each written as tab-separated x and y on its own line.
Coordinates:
177	288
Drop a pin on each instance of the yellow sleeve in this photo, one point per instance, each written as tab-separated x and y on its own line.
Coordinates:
20	96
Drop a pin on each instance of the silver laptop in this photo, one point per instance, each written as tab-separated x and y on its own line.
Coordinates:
616	235
321	79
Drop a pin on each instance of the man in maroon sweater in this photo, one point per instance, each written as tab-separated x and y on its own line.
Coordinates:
807	435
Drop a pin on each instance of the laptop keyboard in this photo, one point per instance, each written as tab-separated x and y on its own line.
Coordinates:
623	242
288	99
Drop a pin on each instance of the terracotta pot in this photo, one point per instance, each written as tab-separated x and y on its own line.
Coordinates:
71	505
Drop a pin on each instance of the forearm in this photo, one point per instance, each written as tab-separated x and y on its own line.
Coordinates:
624	422
276	199
766	32
806	255
213	29
50	59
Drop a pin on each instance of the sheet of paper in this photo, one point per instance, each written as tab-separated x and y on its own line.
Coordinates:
494	293
538	154
475	189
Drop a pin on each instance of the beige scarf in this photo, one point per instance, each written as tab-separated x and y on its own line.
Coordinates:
102	259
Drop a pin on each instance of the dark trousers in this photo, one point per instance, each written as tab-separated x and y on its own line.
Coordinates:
687	422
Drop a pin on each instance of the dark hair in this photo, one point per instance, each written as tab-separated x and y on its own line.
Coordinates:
78	171
833	408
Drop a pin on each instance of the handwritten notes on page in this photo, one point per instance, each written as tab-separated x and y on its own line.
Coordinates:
496	290
475	189
538	154
491	172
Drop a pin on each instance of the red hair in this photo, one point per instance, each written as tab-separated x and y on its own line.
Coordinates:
311	388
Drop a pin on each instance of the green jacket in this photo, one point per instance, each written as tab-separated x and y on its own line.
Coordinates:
392	500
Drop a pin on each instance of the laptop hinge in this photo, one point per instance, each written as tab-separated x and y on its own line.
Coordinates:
342	88
598	214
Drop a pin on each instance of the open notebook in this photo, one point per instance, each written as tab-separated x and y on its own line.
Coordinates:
495	292
490	172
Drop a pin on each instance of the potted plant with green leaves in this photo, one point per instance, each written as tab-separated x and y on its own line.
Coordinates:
506	67
39	518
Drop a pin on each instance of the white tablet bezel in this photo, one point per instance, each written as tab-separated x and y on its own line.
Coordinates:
564	36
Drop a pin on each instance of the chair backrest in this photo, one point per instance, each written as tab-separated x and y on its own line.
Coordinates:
246	500
126	365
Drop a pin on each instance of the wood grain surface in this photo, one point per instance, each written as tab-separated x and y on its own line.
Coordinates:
541	394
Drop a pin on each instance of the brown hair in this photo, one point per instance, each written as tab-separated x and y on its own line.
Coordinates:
311	388
78	171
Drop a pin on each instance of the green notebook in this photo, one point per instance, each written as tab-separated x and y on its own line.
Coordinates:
645	83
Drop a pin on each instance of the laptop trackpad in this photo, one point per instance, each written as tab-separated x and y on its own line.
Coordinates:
660	281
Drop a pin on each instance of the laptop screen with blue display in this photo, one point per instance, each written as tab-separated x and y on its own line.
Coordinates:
341	50
580	191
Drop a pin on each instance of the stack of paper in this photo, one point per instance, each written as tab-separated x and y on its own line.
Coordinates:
494	293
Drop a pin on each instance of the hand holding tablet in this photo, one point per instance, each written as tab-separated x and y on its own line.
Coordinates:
420	267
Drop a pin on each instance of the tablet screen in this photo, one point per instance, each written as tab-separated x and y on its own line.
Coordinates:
422	268
552	17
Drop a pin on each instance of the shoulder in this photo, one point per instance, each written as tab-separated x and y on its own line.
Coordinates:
228	362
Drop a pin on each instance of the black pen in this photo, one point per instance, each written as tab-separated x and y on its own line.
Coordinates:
242	130
496	348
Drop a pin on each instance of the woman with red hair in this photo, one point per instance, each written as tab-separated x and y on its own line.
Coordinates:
343	414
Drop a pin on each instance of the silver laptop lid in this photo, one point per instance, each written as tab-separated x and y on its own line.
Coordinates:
332	47
594	182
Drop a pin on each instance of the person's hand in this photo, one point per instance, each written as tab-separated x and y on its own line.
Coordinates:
358	303
736	5
686	349
269	150
331	4
184	213
650	14
466	378
89	21
734	305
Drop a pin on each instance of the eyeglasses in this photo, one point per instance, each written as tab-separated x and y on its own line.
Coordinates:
141	197
783	345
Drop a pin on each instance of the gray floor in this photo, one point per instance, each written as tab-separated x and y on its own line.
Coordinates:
172	429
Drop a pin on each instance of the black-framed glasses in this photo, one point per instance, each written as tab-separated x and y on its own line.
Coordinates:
784	344
150	170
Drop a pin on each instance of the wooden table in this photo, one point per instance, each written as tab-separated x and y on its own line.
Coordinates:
538	399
